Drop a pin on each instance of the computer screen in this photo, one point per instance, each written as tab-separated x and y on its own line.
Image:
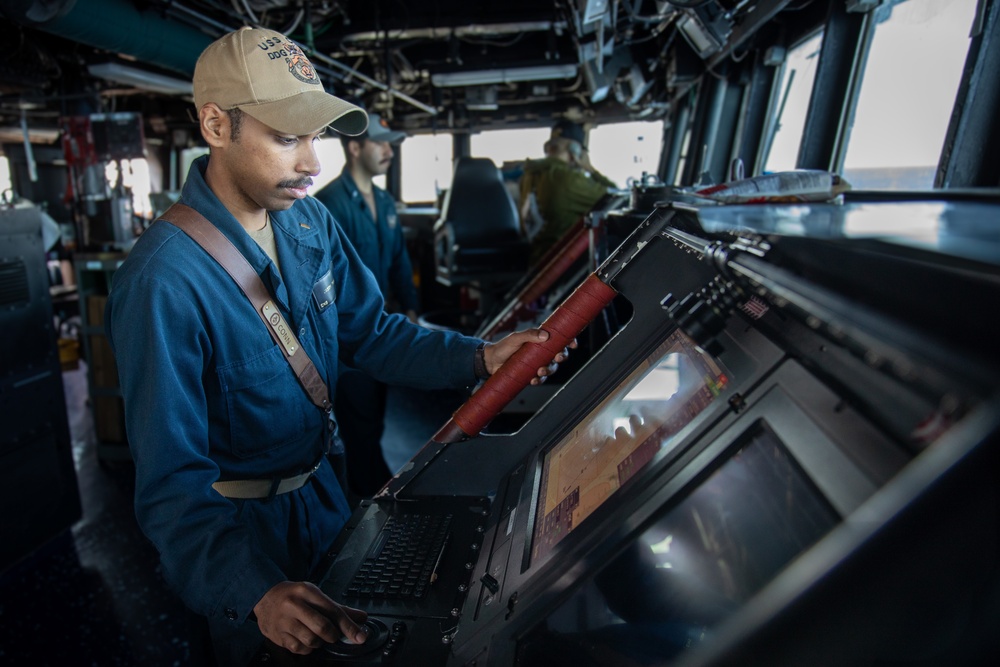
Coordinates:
622	435
745	518
743	523
117	136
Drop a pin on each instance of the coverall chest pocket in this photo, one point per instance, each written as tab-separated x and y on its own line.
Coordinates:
266	406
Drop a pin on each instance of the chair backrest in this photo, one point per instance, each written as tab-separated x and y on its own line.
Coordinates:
478	206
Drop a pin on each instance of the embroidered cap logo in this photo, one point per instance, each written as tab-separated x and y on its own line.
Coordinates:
299	65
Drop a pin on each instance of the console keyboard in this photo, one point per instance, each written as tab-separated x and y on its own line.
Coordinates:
403	560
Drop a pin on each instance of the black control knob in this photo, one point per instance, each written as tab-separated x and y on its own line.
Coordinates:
491	584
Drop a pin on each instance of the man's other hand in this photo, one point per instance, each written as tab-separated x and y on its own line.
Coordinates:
299	617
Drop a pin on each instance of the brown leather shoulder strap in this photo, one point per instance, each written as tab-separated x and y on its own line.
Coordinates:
232	260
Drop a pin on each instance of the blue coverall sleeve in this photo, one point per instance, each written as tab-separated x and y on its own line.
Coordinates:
390	347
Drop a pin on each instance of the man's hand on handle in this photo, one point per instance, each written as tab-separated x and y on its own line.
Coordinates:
497	353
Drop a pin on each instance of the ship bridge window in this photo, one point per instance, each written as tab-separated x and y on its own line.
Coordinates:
624	152
907	93
5	181
189	155
134	175
330	152
510	146
509	149
425	167
789	116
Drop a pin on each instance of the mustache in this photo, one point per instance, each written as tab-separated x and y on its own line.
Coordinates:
304	182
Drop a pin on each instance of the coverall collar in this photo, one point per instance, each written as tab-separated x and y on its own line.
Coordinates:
299	249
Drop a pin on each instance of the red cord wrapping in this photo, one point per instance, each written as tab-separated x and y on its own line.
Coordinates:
563	325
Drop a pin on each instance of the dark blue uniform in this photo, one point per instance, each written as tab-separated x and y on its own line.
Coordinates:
209	396
361	400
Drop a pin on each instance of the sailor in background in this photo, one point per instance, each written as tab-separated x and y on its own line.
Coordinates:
367	214
560	188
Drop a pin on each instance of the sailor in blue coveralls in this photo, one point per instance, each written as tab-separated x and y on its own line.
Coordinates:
212	407
367	214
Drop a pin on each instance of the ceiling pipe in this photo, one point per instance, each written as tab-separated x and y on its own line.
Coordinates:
118	26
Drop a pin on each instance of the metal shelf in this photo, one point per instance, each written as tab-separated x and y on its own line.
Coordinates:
93	278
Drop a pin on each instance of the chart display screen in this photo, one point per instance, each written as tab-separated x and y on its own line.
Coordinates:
622	435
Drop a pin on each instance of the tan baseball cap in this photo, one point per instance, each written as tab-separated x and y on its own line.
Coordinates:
268	76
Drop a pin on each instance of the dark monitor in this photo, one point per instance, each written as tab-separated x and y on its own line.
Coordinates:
621	436
737	510
117	136
749	516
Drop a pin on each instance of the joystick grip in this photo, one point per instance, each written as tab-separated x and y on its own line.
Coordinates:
563	325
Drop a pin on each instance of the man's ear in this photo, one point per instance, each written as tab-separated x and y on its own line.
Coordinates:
214	123
354	147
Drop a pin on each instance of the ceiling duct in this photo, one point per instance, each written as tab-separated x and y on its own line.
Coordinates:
119	27
460	31
141	78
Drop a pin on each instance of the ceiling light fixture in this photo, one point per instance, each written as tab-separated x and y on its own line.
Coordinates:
142	79
512	75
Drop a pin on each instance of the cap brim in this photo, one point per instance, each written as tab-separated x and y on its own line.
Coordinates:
391	137
310	112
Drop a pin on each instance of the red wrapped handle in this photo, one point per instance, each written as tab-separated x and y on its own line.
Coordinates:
563	325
